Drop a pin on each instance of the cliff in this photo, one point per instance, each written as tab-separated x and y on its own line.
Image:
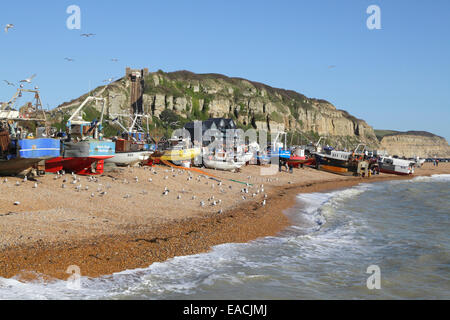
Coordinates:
250	104
413	143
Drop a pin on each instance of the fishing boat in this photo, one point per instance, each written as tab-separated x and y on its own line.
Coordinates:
22	144
278	149
133	147
299	158
226	164
221	160
84	150
395	166
178	150
342	162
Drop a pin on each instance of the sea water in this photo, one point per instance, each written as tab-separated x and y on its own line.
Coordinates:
400	227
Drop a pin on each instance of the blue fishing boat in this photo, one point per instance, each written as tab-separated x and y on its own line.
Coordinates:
22	144
84	150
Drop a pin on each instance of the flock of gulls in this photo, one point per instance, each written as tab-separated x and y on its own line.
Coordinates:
93	185
10	26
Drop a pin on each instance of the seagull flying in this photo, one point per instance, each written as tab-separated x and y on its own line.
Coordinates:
8	26
9	83
69	59
109	80
87	35
114	60
28	80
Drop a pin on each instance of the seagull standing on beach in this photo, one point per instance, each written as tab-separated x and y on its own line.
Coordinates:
8	26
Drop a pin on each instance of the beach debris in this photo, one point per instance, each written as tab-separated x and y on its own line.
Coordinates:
166	177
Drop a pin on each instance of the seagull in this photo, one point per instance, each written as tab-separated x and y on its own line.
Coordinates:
264	203
35	185
69	59
114	60
8	26
87	35
9	83
202	204
109	80
28	80
331	67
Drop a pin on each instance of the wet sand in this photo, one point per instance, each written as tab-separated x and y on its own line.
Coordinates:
123	221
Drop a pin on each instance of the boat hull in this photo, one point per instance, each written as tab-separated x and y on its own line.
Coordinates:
341	167
83	158
30	153
129	158
398	173
16	166
222	165
181	155
298	162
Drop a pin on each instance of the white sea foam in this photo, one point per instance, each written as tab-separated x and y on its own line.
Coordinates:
302	262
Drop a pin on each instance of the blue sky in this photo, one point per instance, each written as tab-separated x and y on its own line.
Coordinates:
394	78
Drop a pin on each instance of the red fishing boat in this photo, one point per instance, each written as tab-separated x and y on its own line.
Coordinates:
298	158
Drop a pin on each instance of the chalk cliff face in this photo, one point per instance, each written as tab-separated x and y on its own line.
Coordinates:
251	104
411	144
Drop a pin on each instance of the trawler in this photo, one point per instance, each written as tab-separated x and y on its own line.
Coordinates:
84	150
179	151
23	144
134	146
342	162
395	166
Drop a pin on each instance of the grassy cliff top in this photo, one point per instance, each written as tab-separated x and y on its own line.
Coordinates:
386	133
